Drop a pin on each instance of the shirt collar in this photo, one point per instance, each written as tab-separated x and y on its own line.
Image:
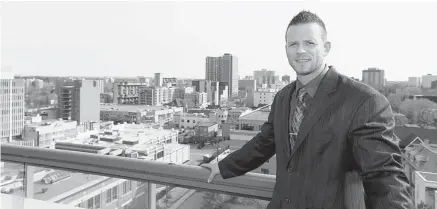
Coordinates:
312	86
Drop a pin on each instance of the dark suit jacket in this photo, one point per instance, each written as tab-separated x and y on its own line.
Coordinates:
347	128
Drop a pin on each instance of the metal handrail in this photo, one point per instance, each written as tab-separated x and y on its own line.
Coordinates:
194	177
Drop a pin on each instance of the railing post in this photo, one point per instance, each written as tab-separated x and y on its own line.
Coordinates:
28	180
151	195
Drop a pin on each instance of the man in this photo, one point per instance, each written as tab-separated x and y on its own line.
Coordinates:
322	128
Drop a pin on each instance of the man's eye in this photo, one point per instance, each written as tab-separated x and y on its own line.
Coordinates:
310	43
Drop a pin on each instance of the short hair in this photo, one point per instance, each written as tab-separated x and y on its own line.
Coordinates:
308	17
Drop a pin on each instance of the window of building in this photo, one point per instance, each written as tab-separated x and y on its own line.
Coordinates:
90	203
188	121
97	201
114	193
125	187
160	154
264	171
108	196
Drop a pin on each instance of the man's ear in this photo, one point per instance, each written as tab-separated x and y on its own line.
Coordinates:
327	47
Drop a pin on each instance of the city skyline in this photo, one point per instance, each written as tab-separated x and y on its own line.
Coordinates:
123	40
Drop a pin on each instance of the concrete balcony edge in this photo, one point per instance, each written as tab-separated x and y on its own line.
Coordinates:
250	185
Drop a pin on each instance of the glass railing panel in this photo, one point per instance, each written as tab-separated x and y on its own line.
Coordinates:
190	198
12	178
85	190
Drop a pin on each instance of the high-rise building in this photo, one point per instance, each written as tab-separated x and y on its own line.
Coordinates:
213	68
101	85
11	108
427	80
247	85
286	78
80	101
434	84
414	81
265	77
158	79
223	69
375	78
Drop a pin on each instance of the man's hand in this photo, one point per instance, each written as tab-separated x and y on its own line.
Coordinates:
214	168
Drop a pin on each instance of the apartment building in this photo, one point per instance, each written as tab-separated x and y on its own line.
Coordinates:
128	92
196	99
80	102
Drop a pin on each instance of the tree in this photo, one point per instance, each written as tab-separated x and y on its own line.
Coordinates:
411	108
395	100
422	205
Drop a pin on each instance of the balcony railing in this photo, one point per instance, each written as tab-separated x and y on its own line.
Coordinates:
251	185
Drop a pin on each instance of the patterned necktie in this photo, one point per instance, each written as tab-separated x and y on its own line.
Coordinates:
298	115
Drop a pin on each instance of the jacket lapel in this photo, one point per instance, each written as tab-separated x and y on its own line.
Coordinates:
286	99
318	106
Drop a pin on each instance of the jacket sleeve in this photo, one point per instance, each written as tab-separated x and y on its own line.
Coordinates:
378	155
254	153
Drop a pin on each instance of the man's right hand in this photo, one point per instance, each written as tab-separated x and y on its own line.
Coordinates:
214	168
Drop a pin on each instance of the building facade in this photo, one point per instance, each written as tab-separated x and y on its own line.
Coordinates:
80	102
265	77
11	108
375	78
224	69
47	133
127	92
427	80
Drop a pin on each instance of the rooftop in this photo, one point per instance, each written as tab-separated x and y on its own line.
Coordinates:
259	115
74	181
49	122
408	133
117	107
207	123
431	177
427	154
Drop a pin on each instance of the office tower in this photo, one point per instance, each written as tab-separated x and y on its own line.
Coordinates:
80	101
374	77
11	108
223	69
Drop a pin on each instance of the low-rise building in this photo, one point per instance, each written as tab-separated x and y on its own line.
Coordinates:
235	113
189	121
137	113
249	125
219	116
425	190
46	133
261	96
206	129
93	191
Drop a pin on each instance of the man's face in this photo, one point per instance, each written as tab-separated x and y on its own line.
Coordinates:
306	48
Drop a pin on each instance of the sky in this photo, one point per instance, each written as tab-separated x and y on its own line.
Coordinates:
141	38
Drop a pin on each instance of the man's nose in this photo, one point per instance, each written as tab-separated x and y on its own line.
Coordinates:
300	49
